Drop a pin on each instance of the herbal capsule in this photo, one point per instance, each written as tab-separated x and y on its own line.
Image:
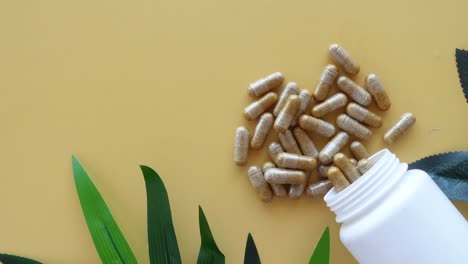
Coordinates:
358	150
326	81
287	114
363	115
265	84
259	183
258	107
261	131
337	178
296	190
377	91
305	143
323	169
345	165
289	143
364	165
319	189
285	176
400	128
241	145
294	161
274	149
305	102
278	189
331	104
316	125
353	127
333	147
356	92
341	56
353	161
289	89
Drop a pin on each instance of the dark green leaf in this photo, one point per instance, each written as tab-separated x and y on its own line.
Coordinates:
162	239
12	259
109	241
321	253
449	170
209	251
251	253
462	65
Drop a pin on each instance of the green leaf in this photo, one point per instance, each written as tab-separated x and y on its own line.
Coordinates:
321	253
251	253
109	241
12	259
449	170
209	251
162	239
462	65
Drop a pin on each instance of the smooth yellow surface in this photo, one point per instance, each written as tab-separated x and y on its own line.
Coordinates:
163	83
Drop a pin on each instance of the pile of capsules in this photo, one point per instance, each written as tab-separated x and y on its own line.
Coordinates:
296	157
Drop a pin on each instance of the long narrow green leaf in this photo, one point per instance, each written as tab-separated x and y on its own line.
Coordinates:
109	241
162	239
251	252
321	253
12	259
209	251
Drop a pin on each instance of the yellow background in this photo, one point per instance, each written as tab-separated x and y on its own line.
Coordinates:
163	83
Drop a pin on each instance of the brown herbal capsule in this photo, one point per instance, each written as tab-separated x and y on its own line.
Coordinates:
353	161
333	147
319	189
337	178
341	56
258	182
305	143
261	131
316	125
323	169
326	81
241	145
287	114
289	143
377	91
406	121
258	107
278	189
265	84
345	165
274	149
358	150
353	127
305	102
294	161
331	104
364	165
285	176
356	92
363	115
289	89
296	190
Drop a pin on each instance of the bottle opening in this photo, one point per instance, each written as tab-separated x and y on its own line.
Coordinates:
362	195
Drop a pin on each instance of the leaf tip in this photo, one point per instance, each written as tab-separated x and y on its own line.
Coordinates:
74	158
76	166
200	210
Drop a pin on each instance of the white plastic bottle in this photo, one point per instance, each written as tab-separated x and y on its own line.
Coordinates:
392	215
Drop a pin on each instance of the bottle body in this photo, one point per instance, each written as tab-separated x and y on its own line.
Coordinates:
391	215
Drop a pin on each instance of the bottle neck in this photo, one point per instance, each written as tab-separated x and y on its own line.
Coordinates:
365	194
